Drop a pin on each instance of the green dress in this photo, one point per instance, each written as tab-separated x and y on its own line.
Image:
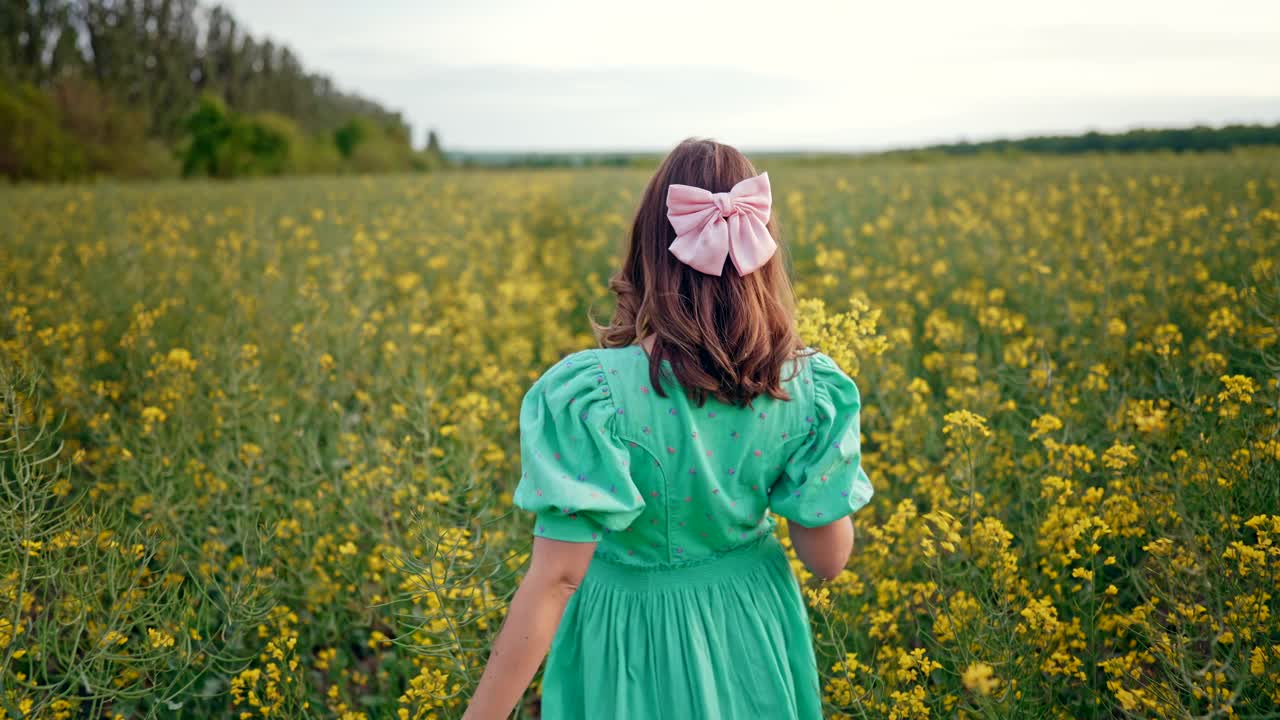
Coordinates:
689	608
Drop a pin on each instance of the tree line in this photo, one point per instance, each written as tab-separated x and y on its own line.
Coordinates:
160	87
1200	138
1194	139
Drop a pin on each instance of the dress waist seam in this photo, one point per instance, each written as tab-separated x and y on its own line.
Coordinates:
729	564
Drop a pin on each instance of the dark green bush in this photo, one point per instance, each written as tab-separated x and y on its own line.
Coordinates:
226	144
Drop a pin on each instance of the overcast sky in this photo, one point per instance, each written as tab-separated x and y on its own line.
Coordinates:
786	74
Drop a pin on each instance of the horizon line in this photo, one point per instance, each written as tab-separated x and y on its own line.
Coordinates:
834	149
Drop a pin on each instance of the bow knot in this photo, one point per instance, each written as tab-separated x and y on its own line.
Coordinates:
725	203
712	226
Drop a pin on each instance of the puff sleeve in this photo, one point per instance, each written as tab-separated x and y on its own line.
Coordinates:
574	470
823	480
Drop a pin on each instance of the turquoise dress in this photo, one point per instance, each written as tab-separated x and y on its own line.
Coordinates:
689	608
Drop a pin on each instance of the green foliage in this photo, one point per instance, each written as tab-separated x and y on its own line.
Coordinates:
93	87
114	138
106	618
225	144
1200	138
318	154
380	154
32	143
349	136
431	157
265	143
367	147
75	130
161	56
208	131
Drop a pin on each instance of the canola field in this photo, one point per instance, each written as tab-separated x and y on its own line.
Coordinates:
258	440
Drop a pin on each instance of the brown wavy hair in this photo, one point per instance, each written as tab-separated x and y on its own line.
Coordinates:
727	336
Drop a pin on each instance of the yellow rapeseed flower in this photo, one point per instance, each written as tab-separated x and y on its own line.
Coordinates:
980	677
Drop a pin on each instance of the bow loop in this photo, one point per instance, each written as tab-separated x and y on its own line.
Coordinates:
712	226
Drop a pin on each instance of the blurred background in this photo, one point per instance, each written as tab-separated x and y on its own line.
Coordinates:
159	88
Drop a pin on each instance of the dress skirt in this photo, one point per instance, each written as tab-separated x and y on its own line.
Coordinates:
725	638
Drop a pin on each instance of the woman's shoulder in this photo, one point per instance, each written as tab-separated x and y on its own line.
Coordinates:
807	372
806	366
815	378
829	383
599	365
619	362
595	370
817	363
575	373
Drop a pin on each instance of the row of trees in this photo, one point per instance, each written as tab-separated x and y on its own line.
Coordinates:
1194	139
143	87
1200	138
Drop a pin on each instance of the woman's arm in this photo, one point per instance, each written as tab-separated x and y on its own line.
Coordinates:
825	549
556	569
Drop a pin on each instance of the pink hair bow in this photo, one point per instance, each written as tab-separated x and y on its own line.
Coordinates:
710	225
